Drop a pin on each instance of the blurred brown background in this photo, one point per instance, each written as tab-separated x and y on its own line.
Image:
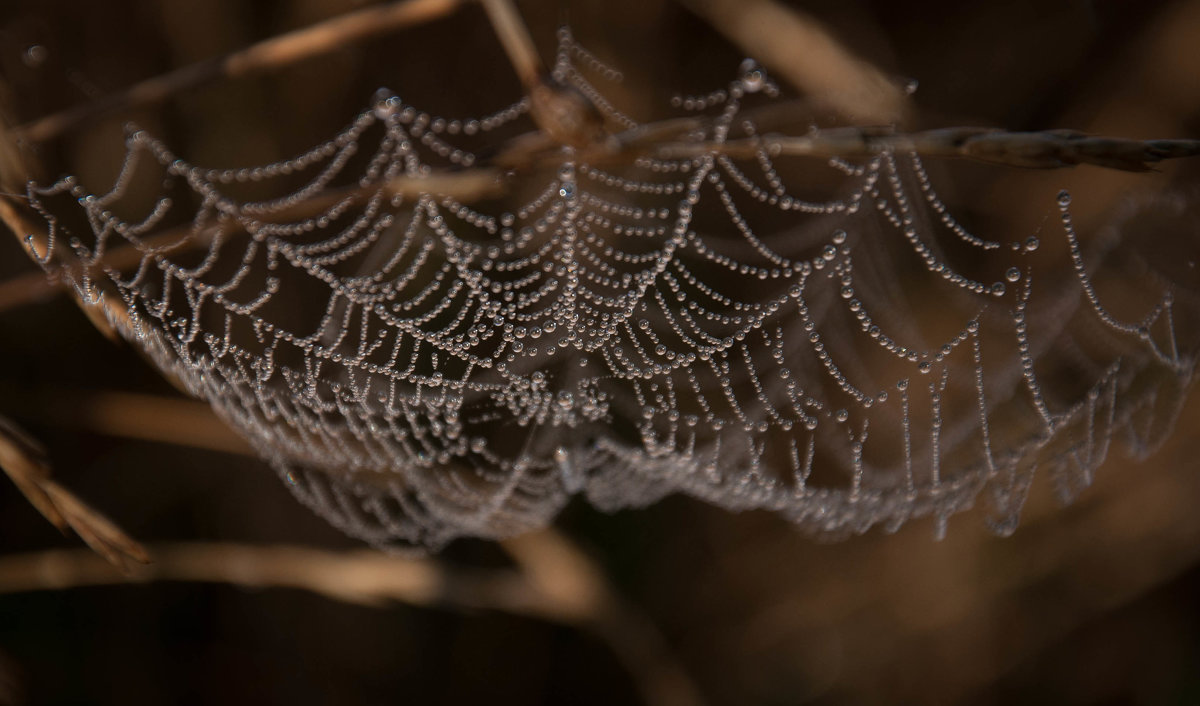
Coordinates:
1096	603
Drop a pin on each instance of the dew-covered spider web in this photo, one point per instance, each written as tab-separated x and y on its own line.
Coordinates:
823	339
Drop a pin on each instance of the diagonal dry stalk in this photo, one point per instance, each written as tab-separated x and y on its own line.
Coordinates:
807	55
556	580
321	38
1050	149
547	563
560	570
518	45
362	577
563	115
156	418
24	460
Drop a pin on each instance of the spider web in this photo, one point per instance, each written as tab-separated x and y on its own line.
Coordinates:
822	339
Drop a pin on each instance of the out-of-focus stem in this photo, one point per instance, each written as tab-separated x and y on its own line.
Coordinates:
282	50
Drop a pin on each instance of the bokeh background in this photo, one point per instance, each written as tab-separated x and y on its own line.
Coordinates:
1094	603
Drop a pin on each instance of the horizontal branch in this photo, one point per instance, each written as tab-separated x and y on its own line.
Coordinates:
282	50
364	577
1050	149
514	37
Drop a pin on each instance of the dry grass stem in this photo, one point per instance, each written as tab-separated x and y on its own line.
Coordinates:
558	581
563	114
38	286
363	577
1050	149
514	36
29	288
154	418
466	186
16	168
802	51
321	38
559	569
24	460
548	563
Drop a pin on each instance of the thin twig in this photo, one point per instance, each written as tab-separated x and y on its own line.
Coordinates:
38	286
18	167
29	288
24	460
1050	149
466	186
156	418
365	577
372	579
560	569
514	35
566	584
562	113
807	55
321	38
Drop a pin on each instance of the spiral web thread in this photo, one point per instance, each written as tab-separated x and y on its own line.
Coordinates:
822	339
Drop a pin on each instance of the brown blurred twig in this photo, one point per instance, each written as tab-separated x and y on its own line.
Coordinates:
284	49
564	116
558	581
560	569
467	185
809	57
548	564
24	460
365	577
156	418
514	36
568	586
1048	149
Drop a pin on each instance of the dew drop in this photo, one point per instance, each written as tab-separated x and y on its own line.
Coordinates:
35	55
753	81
